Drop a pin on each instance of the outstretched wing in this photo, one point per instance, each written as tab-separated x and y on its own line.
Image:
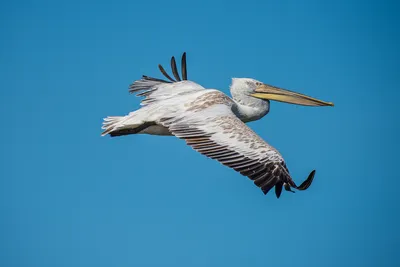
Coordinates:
154	89
216	132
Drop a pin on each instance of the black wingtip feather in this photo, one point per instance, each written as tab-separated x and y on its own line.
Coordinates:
174	69
268	185
306	184
165	73
154	79
278	189
183	67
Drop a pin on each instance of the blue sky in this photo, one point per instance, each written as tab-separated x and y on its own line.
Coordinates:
69	197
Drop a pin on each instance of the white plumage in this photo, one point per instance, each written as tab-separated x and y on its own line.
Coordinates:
213	124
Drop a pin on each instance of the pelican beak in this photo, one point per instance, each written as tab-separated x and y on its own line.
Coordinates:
269	92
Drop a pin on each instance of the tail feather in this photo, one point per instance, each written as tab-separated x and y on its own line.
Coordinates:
123	125
112	123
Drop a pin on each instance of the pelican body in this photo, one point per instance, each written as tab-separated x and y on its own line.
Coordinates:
213	123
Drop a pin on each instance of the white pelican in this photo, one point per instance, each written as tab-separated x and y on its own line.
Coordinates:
213	123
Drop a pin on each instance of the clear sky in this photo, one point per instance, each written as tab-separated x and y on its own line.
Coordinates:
69	197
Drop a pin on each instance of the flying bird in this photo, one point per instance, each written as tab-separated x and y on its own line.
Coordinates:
213	123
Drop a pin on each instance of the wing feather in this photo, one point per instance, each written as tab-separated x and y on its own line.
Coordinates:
175	69
183	67
217	133
165	73
154	89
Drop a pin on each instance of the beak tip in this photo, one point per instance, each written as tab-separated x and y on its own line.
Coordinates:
331	104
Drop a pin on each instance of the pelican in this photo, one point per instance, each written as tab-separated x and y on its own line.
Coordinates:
213	123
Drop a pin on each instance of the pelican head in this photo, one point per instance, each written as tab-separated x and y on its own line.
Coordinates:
267	92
